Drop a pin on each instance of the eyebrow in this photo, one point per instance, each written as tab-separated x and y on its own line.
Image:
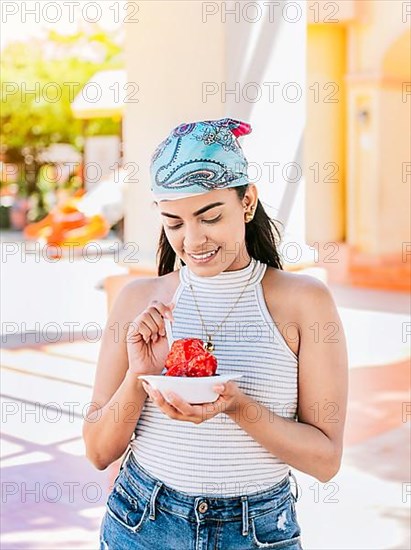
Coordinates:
201	211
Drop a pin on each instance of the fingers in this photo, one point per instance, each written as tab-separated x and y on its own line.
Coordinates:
165	310
176	408
158	311
154	321
170	403
150	323
178	403
146	329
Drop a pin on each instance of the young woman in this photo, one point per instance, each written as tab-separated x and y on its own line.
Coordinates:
216	475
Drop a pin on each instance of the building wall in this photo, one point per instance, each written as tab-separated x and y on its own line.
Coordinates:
169	53
368	53
172	53
383	66
366	133
325	139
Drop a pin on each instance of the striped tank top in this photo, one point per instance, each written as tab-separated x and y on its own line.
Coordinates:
217	457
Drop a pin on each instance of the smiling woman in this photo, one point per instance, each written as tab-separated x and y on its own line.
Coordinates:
232	241
217	471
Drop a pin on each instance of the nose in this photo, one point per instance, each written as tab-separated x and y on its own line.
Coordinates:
195	239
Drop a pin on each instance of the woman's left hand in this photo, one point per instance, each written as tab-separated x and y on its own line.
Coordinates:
175	407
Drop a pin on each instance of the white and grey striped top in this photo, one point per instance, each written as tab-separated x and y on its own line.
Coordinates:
217	457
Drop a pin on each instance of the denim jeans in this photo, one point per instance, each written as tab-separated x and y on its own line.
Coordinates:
143	513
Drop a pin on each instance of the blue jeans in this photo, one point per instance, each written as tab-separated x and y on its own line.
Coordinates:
143	513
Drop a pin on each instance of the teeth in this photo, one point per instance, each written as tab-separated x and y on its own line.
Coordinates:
202	256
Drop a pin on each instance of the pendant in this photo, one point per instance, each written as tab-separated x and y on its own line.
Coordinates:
208	346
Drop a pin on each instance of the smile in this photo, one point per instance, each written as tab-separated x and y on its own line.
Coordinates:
204	257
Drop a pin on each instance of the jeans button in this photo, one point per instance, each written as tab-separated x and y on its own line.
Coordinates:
203	507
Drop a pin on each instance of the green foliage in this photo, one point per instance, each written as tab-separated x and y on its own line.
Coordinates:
32	121
55	68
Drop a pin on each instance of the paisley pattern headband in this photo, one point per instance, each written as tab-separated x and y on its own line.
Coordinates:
198	157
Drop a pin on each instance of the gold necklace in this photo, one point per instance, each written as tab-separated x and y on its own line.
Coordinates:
209	346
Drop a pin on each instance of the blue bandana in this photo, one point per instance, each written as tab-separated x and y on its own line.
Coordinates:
198	157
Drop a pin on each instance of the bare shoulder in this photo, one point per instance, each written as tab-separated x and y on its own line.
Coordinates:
302	300
291	298
134	293
298	280
298	290
138	293
313	298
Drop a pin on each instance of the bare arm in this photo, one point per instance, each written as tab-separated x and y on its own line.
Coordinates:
313	444
118	396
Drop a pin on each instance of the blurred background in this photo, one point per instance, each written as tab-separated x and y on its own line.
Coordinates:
89	89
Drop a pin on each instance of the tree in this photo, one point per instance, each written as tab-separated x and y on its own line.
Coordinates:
36	94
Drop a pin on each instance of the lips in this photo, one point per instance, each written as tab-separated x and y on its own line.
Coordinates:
203	255
202	252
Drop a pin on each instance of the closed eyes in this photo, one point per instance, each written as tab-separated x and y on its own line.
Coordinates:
215	220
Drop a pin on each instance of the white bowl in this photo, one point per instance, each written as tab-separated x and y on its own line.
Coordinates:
192	389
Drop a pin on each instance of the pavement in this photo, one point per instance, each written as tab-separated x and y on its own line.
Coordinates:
53	314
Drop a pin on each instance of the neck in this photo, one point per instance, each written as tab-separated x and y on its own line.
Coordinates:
223	281
239	264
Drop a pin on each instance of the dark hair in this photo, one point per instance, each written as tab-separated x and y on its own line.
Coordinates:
261	236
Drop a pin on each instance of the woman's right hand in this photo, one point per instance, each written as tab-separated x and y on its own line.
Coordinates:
147	345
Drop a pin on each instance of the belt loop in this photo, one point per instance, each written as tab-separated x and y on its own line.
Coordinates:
153	500
296	485
244	504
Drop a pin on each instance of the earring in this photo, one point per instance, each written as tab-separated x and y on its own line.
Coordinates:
249	215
